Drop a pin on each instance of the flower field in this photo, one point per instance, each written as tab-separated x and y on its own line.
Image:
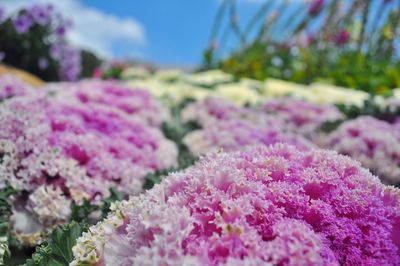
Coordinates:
281	149
250	172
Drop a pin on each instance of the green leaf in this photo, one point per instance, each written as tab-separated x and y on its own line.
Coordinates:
5	213
115	195
81	213
57	250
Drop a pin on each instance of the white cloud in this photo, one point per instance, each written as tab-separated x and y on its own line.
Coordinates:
93	29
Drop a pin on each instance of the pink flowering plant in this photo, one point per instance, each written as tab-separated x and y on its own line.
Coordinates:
138	103
301	116
272	205
57	152
372	142
230	135
12	86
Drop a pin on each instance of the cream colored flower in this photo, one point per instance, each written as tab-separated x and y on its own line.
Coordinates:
279	88
238	93
135	72
168	74
208	78
326	93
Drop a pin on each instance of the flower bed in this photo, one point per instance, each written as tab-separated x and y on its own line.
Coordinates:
275	205
68	149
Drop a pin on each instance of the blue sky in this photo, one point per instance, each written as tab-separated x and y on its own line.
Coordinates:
177	31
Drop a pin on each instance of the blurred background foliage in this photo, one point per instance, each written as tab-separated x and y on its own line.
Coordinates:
350	43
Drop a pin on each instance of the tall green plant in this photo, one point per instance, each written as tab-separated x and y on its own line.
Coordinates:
348	43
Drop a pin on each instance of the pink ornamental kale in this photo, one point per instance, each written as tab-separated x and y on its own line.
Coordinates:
235	134
137	103
59	152
375	143
11	86
104	143
212	110
303	117
264	206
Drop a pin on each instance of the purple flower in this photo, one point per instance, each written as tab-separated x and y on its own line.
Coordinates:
22	23
60	30
56	51
43	63
315	7
2	55
2	15
40	14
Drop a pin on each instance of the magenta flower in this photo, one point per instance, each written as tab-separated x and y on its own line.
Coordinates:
341	38
315	7
264	206
373	142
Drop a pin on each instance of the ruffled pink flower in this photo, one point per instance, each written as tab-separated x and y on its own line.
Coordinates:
105	144
375	143
59	151
302	117
236	134
212	110
136	103
264	206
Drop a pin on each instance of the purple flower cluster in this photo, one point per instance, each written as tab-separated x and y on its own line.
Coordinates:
57	150
36	14
11	86
22	23
302	117
374	143
69	63
271	205
68	58
135	103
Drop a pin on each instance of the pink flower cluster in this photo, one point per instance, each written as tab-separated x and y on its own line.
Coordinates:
235	134
271	205
11	86
136	103
375	143
212	110
231	127
301	116
58	150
